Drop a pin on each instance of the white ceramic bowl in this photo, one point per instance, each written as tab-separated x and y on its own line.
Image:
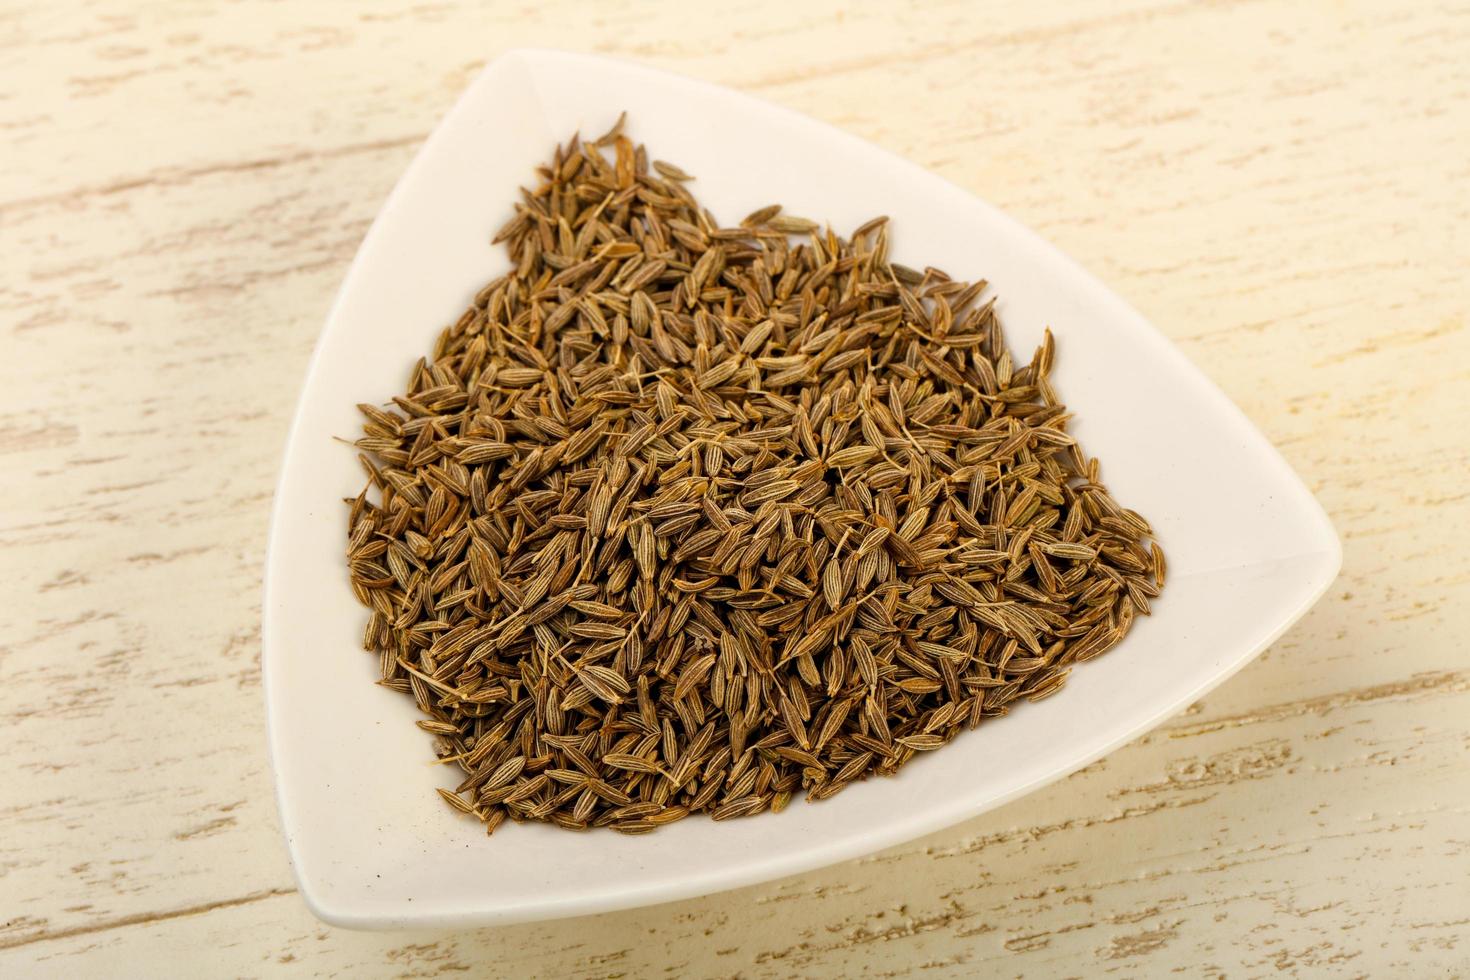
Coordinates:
1249	549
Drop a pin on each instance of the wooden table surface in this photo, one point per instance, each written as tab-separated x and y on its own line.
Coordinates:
1283	188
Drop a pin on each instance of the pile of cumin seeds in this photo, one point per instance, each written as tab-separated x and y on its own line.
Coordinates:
682	518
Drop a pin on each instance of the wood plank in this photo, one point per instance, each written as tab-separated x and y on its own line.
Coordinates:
1280	187
1244	846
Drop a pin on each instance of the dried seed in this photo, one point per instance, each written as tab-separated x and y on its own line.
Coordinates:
683	519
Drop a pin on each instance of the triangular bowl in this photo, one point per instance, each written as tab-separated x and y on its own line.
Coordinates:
1249	549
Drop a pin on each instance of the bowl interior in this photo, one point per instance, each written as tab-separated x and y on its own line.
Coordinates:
1249	549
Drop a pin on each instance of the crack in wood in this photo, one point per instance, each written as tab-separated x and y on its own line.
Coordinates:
142	919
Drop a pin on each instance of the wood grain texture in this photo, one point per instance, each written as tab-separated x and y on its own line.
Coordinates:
1284	188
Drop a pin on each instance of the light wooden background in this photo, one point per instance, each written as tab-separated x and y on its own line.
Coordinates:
1283	188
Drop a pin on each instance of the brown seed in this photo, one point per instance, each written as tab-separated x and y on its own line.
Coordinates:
686	519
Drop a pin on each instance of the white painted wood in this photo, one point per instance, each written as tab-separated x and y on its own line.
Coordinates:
1281	187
